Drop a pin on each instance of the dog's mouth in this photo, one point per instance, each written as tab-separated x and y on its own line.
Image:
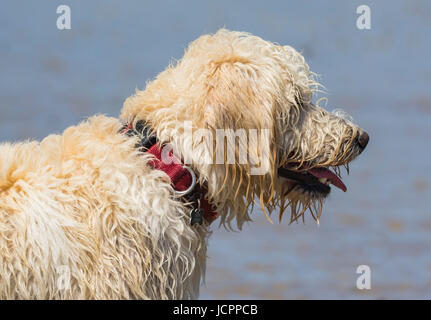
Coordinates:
314	181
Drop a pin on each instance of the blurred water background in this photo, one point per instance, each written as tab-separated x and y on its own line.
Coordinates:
52	79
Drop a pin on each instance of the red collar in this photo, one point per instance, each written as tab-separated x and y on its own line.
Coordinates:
182	177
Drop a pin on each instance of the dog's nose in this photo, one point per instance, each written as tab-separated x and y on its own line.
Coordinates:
363	139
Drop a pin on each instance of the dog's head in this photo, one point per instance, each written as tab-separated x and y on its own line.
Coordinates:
254	129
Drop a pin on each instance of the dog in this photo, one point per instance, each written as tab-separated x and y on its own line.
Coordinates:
99	213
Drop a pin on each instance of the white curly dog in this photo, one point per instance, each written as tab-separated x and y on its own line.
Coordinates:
107	211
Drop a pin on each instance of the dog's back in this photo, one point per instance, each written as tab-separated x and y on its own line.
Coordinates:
76	220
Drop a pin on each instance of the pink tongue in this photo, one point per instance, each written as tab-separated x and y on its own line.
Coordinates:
328	174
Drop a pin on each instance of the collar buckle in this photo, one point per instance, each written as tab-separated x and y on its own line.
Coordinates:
192	185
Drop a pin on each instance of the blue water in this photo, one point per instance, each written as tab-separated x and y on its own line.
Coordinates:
51	79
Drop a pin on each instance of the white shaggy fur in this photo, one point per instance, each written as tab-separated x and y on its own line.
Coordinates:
87	202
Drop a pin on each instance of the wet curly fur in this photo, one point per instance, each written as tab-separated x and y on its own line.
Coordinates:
87	202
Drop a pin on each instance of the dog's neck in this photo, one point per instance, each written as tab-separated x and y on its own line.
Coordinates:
183	179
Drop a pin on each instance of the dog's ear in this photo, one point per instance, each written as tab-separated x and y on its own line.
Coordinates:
236	101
